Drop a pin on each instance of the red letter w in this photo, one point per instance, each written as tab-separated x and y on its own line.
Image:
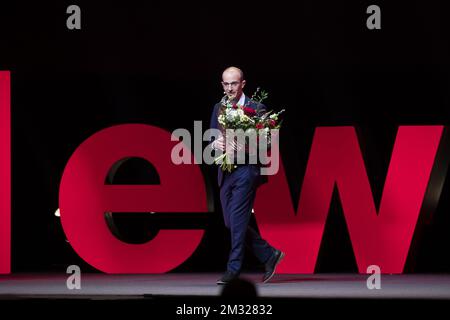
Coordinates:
381	238
5	173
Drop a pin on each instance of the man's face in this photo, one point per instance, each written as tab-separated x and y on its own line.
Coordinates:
232	84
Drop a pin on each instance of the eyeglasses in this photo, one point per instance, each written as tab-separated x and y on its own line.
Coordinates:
233	84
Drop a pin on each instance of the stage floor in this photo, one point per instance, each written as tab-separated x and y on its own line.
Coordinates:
317	286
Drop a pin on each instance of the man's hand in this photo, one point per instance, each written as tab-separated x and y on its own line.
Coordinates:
229	146
218	144
233	146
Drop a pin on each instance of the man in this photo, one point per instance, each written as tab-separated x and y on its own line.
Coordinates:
238	190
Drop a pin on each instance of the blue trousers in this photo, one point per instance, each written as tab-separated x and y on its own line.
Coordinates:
237	194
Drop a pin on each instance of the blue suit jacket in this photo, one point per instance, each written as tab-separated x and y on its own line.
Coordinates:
214	124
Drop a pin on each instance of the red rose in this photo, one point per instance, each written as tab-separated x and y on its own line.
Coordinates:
272	123
249	111
234	106
259	126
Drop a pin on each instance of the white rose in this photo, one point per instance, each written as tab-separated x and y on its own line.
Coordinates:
232	115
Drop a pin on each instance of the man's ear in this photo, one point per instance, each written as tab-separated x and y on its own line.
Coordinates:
243	83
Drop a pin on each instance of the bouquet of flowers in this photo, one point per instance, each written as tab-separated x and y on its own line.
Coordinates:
250	121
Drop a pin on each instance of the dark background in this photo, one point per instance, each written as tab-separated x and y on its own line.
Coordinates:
160	63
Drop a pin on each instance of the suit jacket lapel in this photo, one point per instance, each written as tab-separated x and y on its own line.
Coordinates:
251	104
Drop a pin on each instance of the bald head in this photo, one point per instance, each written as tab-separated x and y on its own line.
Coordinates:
233	82
231	71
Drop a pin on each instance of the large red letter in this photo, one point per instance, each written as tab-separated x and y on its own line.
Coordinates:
5	173
84	199
381	239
